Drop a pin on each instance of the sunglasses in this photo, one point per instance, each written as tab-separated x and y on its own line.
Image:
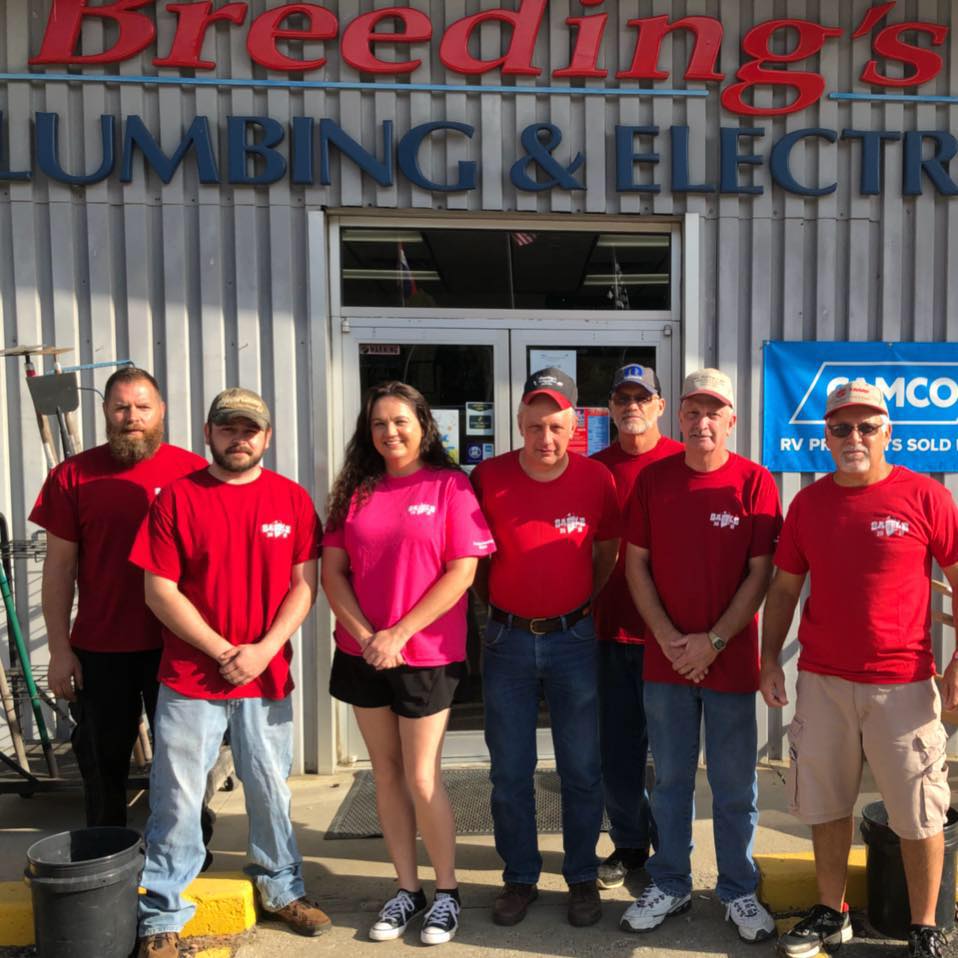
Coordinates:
842	430
626	399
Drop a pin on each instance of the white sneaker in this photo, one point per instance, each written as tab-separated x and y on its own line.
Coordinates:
652	907
751	917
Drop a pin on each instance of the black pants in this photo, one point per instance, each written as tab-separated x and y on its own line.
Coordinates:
117	686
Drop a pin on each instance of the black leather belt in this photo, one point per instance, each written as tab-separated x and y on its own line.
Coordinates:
540	626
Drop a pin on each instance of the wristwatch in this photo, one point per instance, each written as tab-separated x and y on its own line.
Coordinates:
718	643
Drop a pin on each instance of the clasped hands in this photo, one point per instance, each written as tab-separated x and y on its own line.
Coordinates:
240	664
690	655
383	649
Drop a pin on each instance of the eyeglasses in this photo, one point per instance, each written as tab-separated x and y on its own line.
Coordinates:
842	430
626	399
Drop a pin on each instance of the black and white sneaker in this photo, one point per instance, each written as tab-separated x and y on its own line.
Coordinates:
442	920
822	929
616	868
397	913
926	941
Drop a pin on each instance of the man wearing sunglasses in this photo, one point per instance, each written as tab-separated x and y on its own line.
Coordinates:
866	534
636	406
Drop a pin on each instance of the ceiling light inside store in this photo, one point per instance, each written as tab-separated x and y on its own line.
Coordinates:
382	236
626	279
420	275
644	240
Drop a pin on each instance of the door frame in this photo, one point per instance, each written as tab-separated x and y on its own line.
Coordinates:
509	332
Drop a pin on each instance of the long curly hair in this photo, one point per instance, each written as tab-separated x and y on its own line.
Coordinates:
364	466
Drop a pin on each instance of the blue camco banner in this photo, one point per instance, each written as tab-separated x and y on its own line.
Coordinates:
919	381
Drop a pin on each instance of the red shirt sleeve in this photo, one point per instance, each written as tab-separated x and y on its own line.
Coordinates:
56	508
155	548
610	522
788	556
467	533
637	515
944	531
309	531
766	515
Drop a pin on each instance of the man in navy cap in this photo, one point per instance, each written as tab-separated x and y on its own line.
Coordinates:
636	406
555	519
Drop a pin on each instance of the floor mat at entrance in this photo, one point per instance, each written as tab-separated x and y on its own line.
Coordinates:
469	791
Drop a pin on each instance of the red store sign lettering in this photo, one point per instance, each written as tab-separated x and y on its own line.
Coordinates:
763	66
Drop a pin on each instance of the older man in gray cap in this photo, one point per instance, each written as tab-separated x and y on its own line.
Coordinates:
866	534
229	556
702	530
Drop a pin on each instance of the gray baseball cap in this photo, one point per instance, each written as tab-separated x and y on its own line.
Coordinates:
643	376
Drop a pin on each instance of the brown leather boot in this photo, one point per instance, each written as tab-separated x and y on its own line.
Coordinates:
165	945
513	903
304	917
585	907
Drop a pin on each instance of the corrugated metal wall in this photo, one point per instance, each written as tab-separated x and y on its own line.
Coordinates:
208	285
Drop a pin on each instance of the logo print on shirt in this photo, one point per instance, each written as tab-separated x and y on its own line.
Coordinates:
889	527
276	530
724	520
570	524
157	490
422	509
484	544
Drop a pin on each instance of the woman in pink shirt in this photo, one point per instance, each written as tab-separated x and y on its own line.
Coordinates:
404	535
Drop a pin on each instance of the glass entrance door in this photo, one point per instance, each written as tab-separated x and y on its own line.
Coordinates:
473	382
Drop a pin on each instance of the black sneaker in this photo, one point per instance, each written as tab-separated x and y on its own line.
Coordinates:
613	871
925	941
442	920
397	913
822	929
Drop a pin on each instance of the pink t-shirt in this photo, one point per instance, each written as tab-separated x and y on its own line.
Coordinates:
398	545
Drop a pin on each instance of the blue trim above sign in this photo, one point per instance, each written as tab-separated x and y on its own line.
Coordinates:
919	381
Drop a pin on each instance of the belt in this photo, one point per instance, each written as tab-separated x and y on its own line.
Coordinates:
541	626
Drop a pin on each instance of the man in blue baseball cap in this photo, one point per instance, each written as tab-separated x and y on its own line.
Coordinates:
636	406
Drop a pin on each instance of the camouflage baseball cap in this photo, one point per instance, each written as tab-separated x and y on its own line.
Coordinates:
239	403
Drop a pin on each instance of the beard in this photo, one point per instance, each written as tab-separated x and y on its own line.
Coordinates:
634	427
229	465
128	450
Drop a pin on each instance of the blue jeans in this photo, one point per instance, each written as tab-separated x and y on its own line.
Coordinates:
674	716
625	745
517	665
188	734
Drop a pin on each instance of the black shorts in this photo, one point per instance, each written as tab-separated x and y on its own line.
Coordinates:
408	690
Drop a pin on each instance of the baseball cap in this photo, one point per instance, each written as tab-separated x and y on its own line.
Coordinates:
643	376
709	382
239	404
553	383
855	393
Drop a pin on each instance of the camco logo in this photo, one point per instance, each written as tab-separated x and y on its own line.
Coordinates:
276	530
886	528
570	524
724	520
422	509
916	393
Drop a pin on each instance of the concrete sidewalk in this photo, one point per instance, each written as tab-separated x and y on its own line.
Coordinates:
352	878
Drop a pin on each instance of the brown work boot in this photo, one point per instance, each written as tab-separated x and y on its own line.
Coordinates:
585	907
513	903
304	917
166	945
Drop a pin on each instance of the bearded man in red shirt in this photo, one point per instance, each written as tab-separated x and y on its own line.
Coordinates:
866	534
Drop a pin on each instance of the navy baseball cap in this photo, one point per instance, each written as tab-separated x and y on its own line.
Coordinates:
643	376
553	383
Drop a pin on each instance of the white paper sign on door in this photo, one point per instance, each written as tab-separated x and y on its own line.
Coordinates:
564	359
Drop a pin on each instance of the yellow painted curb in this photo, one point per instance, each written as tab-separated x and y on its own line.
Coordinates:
224	906
16	914
215	953
787	881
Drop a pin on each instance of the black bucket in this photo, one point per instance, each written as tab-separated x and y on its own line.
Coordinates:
84	886
888	909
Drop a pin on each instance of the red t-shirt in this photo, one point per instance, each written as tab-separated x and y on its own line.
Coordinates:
616	617
231	549
701	530
399	544
544	532
869	550
99	503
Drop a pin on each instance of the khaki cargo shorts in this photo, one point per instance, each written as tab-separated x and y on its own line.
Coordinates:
899	730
